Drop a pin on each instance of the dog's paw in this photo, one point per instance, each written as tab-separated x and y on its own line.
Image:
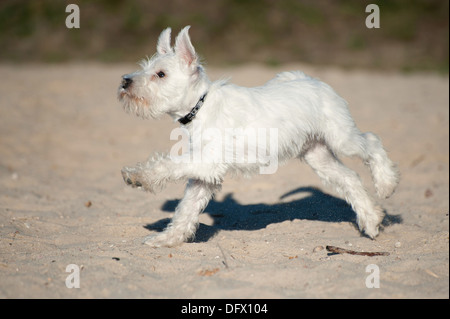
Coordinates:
163	239
369	224
371	231
131	176
154	241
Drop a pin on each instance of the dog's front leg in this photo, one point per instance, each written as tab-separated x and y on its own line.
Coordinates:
160	169
203	181
185	221
151	175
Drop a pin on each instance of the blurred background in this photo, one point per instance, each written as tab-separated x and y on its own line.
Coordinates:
413	34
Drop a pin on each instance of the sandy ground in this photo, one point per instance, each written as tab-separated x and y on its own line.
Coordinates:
64	139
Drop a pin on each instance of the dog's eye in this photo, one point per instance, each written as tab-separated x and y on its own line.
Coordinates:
161	74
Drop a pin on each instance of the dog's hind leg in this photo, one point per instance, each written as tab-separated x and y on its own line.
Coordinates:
185	221
385	174
348	184
369	148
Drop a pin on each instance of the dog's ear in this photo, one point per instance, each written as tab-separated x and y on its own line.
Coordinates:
163	45
184	48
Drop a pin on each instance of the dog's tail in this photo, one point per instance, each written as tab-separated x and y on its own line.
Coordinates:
289	76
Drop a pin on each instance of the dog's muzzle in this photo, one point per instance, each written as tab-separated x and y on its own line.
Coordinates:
126	82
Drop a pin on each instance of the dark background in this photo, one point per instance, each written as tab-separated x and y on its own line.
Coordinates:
413	35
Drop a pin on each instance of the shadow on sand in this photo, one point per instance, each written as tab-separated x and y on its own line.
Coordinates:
228	214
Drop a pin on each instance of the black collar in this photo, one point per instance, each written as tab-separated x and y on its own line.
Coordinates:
190	116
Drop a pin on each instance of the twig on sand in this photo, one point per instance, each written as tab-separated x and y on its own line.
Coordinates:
338	250
224	261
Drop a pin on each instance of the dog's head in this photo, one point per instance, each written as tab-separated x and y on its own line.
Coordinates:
167	82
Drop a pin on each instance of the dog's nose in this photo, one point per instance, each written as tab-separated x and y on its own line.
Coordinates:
126	82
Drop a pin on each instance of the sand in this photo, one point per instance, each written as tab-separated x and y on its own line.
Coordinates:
64	139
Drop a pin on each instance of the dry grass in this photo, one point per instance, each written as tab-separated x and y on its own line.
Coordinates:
413	34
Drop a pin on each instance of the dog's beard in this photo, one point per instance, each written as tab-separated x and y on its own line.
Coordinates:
136	105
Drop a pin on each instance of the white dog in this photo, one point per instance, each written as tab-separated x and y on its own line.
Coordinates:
303	115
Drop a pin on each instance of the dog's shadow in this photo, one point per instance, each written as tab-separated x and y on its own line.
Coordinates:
228	214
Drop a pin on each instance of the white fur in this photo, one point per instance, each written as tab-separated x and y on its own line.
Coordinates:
312	121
